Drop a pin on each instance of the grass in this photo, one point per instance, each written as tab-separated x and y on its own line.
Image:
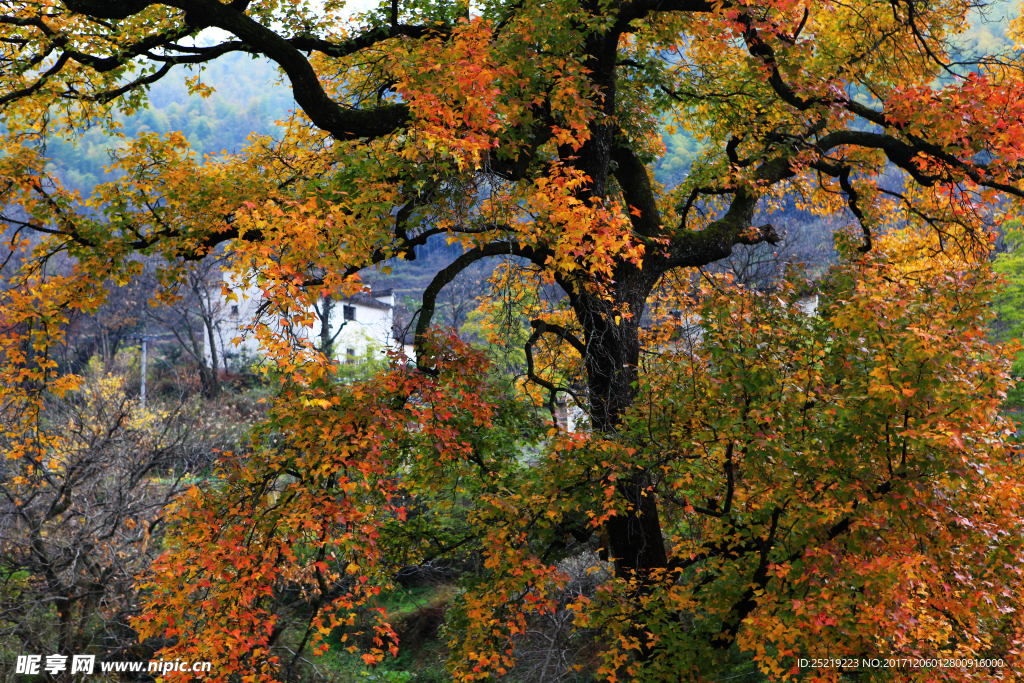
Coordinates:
401	602
414	613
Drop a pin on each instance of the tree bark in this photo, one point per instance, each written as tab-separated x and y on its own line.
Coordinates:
612	337
210	376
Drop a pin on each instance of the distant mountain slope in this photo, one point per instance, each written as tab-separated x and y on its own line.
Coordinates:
247	100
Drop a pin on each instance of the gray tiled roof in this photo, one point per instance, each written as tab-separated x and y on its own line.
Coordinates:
368	300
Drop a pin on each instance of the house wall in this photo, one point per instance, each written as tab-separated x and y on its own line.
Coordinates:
235	315
369	335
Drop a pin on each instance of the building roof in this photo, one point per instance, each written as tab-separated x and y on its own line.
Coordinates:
369	301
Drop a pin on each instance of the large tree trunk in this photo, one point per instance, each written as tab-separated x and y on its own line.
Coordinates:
612	330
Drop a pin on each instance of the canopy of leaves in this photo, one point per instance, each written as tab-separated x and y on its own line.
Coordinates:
757	479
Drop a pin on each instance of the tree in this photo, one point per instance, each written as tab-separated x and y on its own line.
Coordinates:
529	131
194	315
814	471
79	525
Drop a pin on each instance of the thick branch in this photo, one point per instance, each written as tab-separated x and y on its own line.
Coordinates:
638	9
446	275
637	191
323	111
691	248
851	199
544	326
309	43
108	9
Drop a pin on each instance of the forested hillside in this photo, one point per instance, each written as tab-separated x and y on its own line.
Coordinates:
247	100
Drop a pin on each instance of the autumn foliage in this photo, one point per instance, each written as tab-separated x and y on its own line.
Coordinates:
761	480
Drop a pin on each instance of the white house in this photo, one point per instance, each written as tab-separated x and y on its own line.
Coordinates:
359	328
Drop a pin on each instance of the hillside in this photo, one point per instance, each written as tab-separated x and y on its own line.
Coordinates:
246	100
